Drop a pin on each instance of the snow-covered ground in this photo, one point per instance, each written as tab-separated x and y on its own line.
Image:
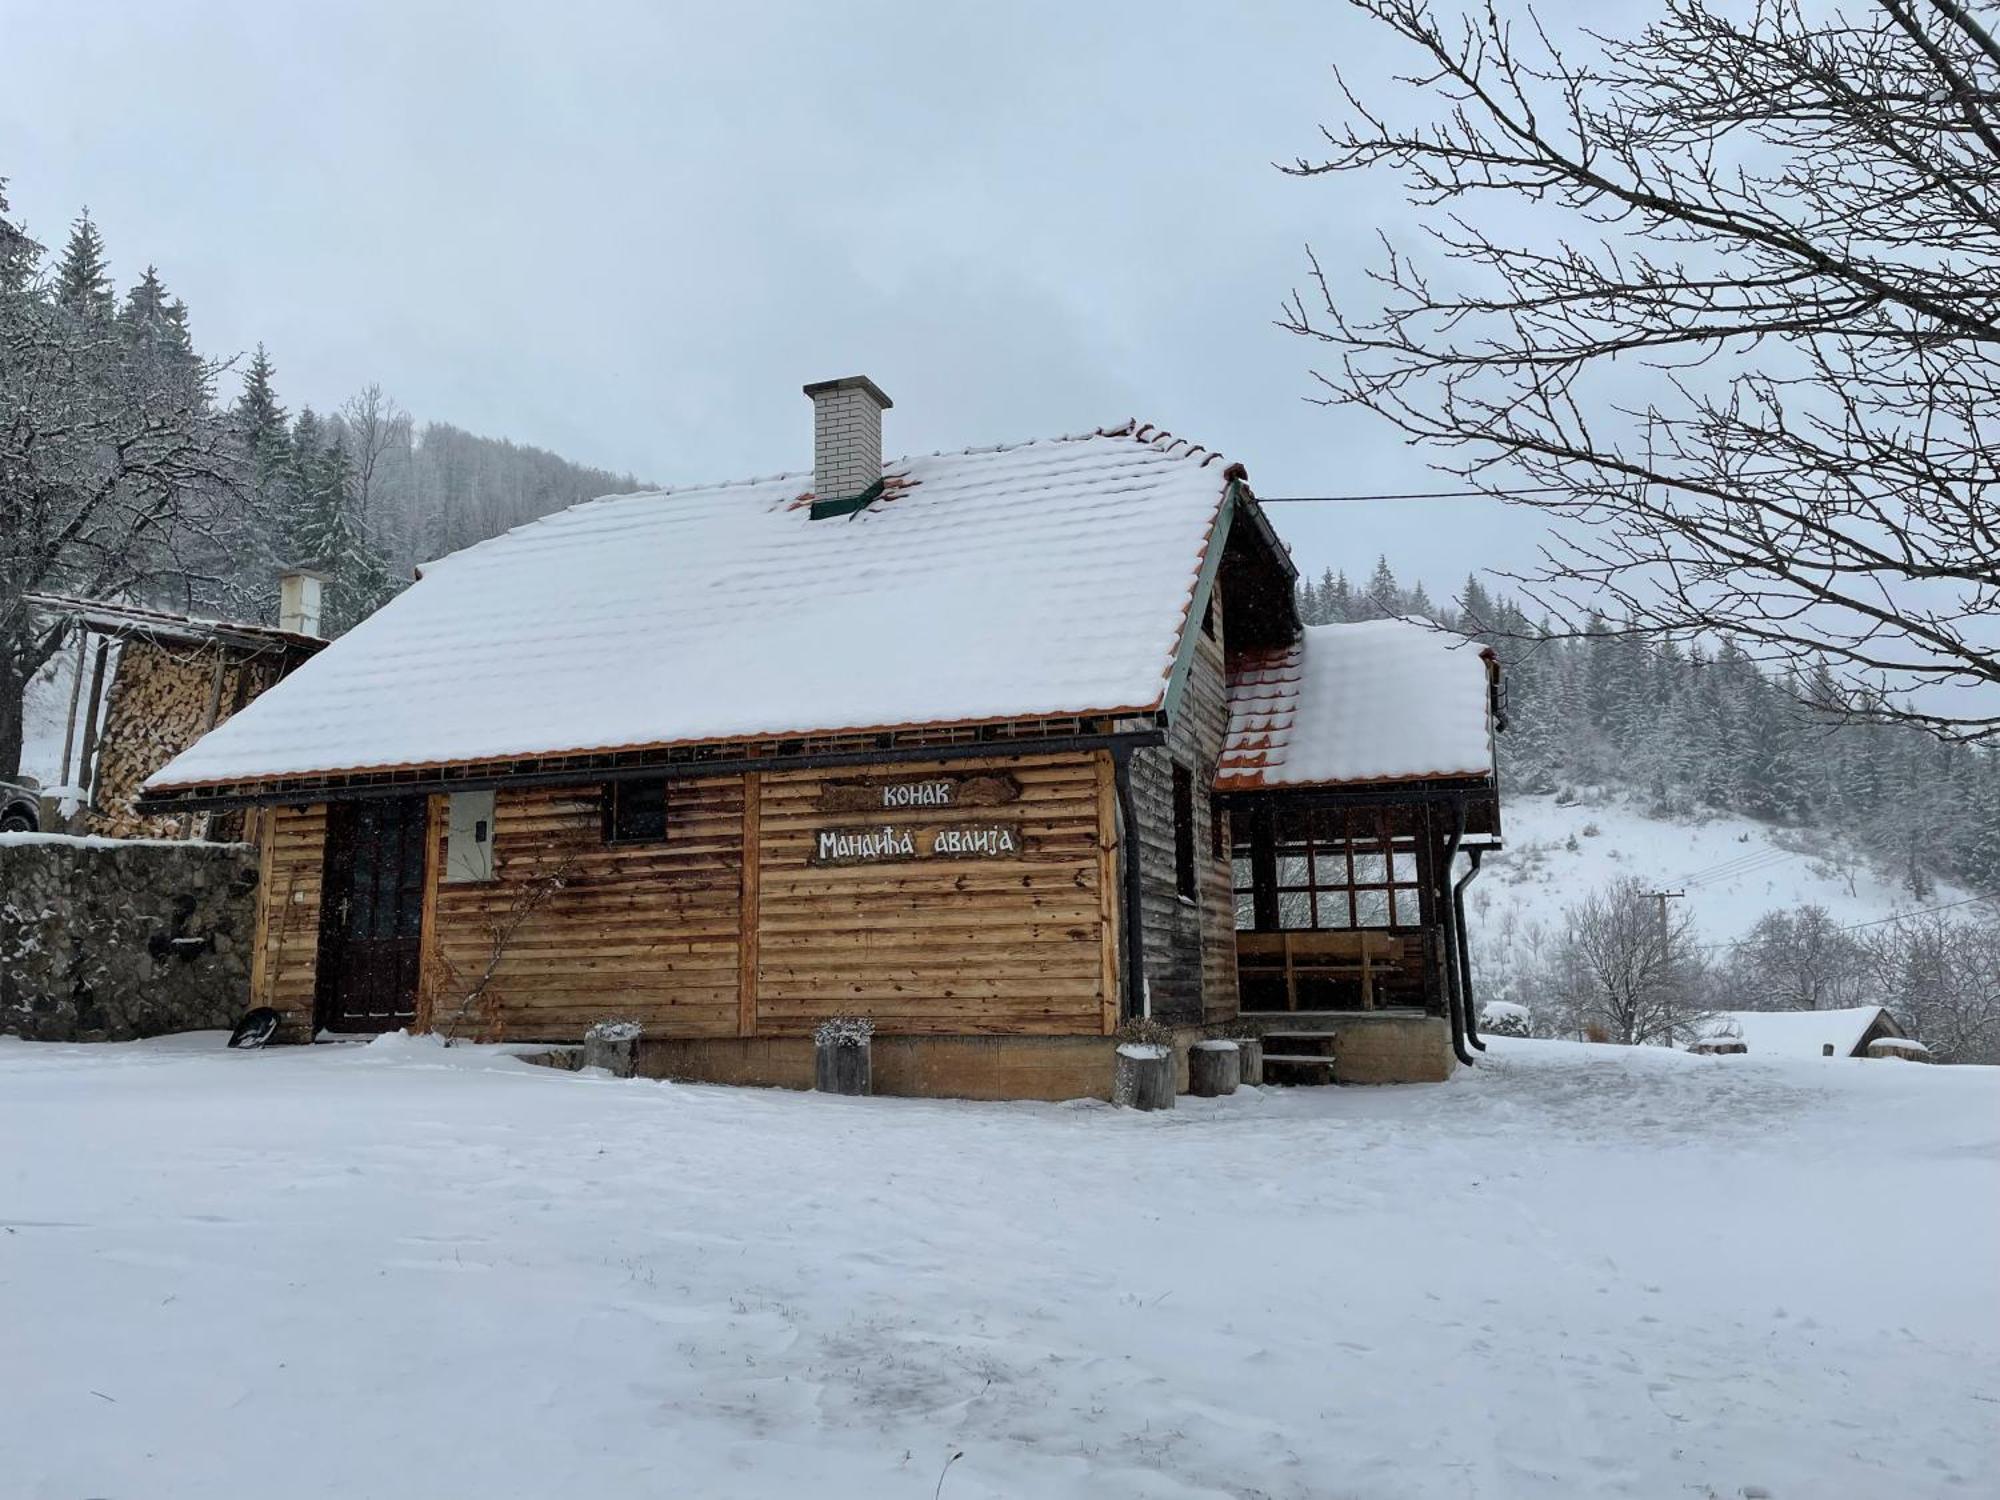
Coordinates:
1733	871
396	1270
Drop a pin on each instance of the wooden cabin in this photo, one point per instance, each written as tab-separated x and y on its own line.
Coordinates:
983	746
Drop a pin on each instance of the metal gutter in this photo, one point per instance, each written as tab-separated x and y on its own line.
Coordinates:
1465	948
1132	1000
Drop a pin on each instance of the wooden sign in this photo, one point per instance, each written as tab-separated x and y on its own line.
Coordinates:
893	843
915	793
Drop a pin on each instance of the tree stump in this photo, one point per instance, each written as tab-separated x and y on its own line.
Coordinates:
1144	1076
843	1060
1250	1057
1214	1069
613	1046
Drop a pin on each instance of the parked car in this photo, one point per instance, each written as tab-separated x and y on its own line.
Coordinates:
20	806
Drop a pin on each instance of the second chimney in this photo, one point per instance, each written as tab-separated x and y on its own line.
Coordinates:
847	443
299	592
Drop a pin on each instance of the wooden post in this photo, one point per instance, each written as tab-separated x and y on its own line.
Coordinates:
1143	1076
749	898
429	975
75	695
1214	1069
1107	889
84	778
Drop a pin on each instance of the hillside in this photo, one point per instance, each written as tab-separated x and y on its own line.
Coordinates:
1732	869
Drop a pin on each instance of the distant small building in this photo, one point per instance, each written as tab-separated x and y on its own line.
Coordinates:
1857	1031
147	683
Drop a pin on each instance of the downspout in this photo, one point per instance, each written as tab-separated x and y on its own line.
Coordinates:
1454	998
1134	1001
1465	950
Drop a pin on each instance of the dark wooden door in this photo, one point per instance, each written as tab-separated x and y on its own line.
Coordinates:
371	927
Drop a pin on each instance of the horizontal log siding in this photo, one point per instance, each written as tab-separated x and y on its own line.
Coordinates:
961	946
645	931
286	960
1190	945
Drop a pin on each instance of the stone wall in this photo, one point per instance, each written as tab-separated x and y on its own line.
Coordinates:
109	939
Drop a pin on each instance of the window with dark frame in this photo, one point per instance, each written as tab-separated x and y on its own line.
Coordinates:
1184	831
1328	869
635	812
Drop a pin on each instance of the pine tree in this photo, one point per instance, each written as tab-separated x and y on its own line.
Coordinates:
1475	610
19	255
1384	597
153	322
83	279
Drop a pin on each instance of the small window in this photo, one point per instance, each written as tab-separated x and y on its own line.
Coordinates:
1184	831
468	848
1208	618
635	812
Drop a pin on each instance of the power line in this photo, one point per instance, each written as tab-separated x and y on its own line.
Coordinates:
1901	916
1533	489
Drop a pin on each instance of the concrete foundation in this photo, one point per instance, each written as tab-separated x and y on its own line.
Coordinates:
935	1067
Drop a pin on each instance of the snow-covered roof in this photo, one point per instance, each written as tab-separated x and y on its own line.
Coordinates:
1376	700
114	617
1049	579
1795	1033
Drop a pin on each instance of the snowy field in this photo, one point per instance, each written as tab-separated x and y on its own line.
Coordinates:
393	1270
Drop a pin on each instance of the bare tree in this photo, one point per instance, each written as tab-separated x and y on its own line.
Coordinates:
1941	977
1627	969
1748	344
374	426
1798	960
115	475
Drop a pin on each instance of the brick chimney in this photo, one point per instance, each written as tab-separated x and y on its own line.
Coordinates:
299	592
847	443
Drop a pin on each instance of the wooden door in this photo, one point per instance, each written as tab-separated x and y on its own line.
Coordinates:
372	921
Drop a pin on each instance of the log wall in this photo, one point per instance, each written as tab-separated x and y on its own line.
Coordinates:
1013	945
692	940
644	931
1190	946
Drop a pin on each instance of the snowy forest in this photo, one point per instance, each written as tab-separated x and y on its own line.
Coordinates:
1679	735
1707	730
134	466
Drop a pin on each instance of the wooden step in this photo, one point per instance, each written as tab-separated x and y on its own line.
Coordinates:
1298	1059
1299	1043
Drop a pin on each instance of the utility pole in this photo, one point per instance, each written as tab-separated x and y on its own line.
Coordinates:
1663	897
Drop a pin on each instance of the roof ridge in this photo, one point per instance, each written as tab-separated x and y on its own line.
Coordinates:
1146	434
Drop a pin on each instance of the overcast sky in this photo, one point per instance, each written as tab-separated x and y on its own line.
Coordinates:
630	232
